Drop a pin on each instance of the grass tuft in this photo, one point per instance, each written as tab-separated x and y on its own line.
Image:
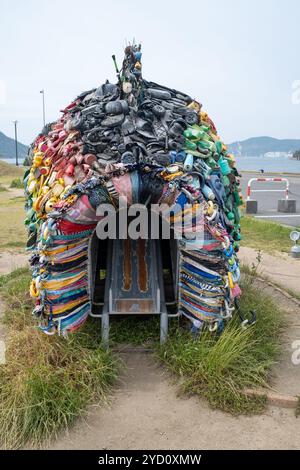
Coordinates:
47	382
220	368
217	368
17	183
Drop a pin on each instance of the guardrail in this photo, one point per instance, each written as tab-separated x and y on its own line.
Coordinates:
268	180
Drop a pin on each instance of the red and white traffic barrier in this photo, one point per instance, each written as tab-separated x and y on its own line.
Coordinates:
268	180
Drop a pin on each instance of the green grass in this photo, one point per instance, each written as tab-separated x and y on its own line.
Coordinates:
297	411
267	236
47	382
13	232
16	183
220	368
9	171
217	368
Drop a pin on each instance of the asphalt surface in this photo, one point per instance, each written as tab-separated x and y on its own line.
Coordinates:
267	201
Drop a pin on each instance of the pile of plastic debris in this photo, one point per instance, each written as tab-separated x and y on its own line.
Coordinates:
149	143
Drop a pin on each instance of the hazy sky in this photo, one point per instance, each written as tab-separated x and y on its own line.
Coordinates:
238	57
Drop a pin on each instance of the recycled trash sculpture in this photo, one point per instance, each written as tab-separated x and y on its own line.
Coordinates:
142	140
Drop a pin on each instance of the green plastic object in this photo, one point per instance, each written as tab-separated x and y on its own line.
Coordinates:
204	144
194	133
190	145
218	145
224	166
237	198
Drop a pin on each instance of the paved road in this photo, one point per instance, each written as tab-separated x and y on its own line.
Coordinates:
267	201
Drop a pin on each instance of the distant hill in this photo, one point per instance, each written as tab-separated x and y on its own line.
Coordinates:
259	146
7	147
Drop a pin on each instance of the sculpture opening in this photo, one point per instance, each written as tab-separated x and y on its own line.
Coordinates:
147	152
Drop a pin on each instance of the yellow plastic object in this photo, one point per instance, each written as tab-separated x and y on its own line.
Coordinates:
32	186
66	189
230	280
33	289
37	203
171	173
40	184
48	161
71	199
45	189
46	233
58	284
195	105
231	158
49	205
38	159
211	208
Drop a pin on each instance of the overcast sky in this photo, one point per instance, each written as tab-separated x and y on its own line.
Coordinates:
238	57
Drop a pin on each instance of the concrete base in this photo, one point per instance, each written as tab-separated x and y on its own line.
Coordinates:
295	251
287	205
251	207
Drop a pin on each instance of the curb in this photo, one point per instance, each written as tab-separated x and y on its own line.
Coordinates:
279	289
254	172
275	399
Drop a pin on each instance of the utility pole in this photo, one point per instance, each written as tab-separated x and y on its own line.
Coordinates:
43	96
16	142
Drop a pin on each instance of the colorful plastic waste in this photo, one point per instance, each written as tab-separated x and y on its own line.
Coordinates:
136	139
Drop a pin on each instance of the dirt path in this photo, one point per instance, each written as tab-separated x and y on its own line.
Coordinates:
146	413
10	260
280	267
286	372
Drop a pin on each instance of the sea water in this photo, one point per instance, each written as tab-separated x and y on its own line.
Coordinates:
13	160
268	164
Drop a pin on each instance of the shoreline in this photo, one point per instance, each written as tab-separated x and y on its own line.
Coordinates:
254	172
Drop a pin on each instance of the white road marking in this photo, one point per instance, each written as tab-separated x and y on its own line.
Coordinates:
276	216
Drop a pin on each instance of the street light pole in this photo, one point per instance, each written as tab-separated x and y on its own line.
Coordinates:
43	96
16	142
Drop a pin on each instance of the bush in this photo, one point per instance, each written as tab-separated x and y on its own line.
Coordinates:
17	183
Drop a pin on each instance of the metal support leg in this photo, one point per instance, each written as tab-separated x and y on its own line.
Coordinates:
105	330
163	327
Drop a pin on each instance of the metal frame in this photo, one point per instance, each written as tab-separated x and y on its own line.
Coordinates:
107	304
268	180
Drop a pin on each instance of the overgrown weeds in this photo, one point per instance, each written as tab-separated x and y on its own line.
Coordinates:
219	368
47	381
17	183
